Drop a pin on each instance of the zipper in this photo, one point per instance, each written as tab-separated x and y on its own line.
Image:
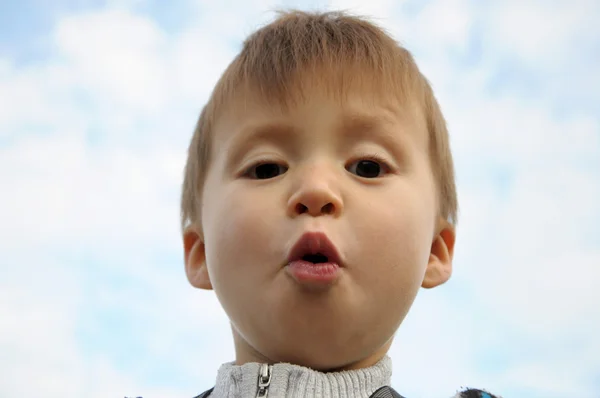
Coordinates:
264	380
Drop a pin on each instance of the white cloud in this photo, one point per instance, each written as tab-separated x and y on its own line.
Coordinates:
438	27
110	46
371	9
68	194
538	32
38	334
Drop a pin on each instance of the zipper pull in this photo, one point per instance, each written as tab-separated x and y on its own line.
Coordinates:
264	380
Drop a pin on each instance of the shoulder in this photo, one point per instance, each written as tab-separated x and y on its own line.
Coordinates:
475	393
205	394
388	392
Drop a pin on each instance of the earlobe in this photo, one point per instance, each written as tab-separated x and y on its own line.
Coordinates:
195	259
439	268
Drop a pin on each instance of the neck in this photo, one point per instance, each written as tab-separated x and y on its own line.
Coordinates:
287	380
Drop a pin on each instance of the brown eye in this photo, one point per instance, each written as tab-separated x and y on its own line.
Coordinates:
366	168
264	171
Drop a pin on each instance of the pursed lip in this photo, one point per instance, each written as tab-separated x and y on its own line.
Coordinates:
313	243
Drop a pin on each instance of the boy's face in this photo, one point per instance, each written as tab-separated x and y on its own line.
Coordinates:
356	172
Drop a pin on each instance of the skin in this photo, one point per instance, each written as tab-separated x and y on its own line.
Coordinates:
386	229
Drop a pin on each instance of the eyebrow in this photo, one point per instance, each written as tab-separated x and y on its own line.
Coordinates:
379	128
280	134
354	123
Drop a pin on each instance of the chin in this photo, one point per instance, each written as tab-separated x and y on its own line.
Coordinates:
329	359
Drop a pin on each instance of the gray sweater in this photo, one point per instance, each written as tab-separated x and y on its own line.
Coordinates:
292	381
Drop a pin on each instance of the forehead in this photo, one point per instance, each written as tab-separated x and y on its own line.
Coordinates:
350	109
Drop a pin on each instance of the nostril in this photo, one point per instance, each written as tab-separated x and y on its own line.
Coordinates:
301	209
327	209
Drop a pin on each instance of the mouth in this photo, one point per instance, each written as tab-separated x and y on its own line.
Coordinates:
316	258
314	262
314	248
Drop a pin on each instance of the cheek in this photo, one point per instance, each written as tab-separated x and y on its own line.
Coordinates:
394	258
238	234
399	232
401	243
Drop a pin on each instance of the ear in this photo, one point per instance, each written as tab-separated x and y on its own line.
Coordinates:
439	268
195	258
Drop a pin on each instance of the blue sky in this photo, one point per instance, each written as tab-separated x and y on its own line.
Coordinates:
98	100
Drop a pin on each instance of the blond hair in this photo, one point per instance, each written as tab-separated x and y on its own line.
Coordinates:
334	50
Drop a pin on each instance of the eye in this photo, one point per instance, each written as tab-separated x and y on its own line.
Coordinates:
264	171
367	168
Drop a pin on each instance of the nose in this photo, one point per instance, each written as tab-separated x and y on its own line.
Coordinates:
315	194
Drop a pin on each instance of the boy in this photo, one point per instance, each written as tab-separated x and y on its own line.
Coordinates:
318	198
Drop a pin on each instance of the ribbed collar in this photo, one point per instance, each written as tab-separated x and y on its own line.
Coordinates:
293	381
